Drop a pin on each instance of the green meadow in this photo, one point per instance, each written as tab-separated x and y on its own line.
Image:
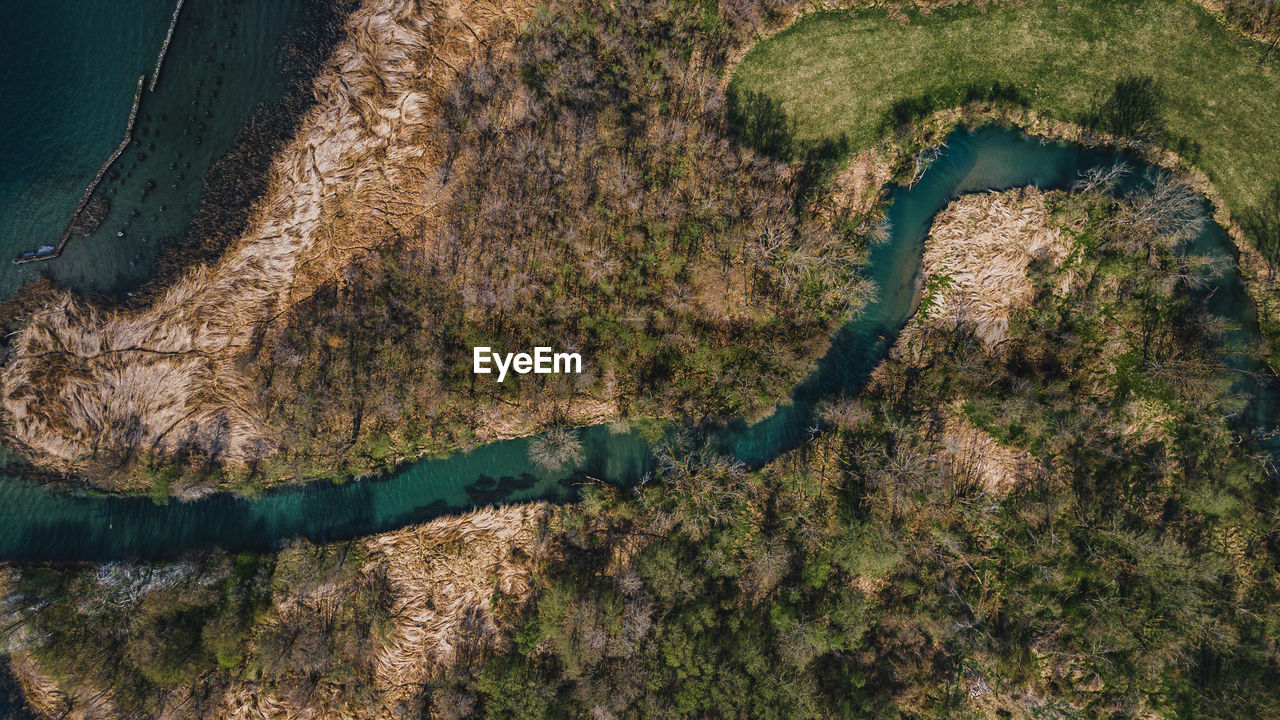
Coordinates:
859	73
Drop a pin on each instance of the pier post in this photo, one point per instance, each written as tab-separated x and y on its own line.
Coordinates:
173	23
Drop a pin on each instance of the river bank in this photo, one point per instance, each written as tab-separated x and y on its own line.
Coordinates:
183	126
41	520
175	362
324	333
193	397
229	183
995	48
237	181
444	596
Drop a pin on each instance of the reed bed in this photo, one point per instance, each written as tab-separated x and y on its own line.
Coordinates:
84	383
446	576
975	263
976	456
452	580
46	696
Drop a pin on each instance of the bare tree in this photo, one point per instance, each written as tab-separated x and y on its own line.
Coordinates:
556	448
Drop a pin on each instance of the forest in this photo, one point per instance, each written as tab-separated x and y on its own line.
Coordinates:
1129	571
1126	565
598	198
607	188
1069	524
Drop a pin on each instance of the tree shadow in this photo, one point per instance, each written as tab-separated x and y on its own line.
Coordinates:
488	490
1261	223
1133	108
905	111
759	122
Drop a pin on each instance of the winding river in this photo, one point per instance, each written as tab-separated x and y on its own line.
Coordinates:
40	523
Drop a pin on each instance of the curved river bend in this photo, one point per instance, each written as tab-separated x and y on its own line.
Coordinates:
39	523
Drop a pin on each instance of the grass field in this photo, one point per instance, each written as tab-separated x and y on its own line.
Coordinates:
854	72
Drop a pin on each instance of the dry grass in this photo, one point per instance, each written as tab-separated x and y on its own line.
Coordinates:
1220	10
498	422
1148	420
47	698
447	578
975	264
996	468
446	575
251	701
455	586
85	383
857	189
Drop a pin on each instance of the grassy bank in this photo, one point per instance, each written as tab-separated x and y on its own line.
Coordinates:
861	73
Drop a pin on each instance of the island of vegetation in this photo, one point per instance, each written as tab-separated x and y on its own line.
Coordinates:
1040	506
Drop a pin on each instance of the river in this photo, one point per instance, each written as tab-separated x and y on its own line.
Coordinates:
69	81
43	523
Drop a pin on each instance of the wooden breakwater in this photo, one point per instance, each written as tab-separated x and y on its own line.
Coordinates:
93	185
173	23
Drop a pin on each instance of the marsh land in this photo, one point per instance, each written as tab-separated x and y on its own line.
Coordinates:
931	373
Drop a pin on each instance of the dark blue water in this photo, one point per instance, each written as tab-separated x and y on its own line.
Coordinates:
70	71
40	523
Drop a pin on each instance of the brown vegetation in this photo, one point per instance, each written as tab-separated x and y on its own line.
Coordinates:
454	188
451	588
45	696
448	577
358	629
597	200
974	456
442	180
86	387
975	264
1257	18
717	572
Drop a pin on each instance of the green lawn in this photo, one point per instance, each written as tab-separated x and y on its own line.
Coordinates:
841	72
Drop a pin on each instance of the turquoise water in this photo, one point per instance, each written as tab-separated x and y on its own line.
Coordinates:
70	73
41	523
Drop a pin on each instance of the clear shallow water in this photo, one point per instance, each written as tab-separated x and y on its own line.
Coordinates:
48	524
70	70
